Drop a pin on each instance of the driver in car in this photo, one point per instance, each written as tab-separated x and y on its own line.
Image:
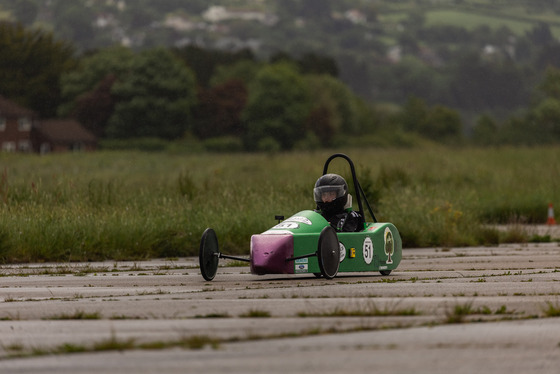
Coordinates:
335	204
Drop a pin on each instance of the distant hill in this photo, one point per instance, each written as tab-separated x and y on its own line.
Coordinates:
385	49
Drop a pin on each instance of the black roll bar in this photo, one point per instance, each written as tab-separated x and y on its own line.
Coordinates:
358	191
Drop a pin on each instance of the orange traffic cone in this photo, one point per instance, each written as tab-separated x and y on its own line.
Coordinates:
550	220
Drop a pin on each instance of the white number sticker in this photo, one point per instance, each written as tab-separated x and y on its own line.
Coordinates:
368	250
286	225
342	251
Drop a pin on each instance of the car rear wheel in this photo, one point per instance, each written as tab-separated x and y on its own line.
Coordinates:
328	253
208	255
385	272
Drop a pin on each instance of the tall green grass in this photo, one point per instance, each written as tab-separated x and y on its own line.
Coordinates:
133	205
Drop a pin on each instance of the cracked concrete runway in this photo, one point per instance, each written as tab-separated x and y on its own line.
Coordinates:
442	310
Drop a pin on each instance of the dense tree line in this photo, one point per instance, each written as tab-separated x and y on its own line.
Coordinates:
235	101
165	93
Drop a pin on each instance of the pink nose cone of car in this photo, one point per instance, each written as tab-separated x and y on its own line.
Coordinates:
269	254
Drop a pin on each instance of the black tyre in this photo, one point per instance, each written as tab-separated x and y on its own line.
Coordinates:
328	253
385	272
209	254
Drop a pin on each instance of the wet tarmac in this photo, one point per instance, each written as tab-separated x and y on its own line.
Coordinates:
457	310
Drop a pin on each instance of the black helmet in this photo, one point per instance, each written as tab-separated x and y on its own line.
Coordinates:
335	184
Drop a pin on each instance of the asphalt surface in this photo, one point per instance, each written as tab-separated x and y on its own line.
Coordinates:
458	310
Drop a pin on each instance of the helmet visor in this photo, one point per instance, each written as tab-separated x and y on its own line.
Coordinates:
326	194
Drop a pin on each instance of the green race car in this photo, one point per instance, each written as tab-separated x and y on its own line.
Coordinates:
307	243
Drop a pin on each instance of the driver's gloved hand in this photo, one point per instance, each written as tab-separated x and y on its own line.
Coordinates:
348	221
342	220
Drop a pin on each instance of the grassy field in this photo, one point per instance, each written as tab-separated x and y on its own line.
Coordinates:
132	205
471	14
471	21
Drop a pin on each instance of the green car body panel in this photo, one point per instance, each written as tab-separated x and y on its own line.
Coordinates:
376	248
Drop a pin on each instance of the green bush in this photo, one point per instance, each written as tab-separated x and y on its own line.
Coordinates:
224	144
269	145
140	144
